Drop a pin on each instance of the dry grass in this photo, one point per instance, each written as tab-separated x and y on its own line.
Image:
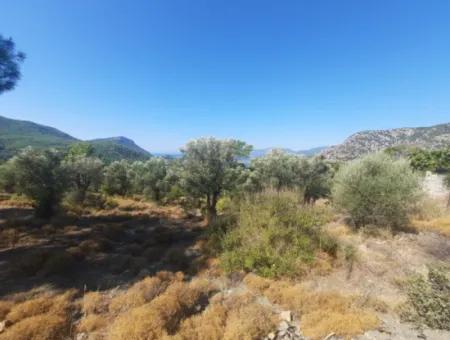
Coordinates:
94	303
235	316
58	304
439	224
45	317
162	315
249	322
92	323
5	307
320	312
29	308
45	326
317	325
142	292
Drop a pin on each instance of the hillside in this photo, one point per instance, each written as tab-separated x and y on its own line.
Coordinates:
307	152
360	143
110	149
17	134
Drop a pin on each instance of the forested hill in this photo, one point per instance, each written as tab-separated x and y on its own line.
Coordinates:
17	134
364	142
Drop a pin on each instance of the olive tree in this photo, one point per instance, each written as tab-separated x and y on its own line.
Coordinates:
315	181
282	171
376	190
116	178
149	177
278	170
7	177
209	167
39	176
84	174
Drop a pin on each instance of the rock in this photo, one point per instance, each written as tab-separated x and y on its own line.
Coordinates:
81	336
271	336
286	316
283	326
4	324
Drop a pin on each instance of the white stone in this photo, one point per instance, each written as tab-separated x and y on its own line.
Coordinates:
286	316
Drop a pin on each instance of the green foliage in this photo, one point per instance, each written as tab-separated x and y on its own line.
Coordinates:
10	61
116	178
274	236
80	149
433	160
118	148
429	300
39	176
149	178
7	177
84	174
210	167
376	190
282	171
16	135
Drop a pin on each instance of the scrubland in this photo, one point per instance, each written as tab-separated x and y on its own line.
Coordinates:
142	271
208	248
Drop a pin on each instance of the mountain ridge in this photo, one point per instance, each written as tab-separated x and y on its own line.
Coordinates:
17	134
368	141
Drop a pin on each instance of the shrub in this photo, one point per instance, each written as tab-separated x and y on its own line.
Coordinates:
429	300
141	292
376	190
116	178
84	173
92	322
162	315
44	326
275	236
94	303
39	176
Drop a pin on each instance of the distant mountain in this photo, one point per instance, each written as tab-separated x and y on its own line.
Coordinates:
364	142
114	148
18	134
308	152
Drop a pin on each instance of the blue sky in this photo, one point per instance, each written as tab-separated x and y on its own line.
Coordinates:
296	74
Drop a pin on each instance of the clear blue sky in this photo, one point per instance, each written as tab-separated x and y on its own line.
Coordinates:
274	73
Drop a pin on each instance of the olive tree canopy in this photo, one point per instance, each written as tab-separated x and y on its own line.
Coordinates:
210	166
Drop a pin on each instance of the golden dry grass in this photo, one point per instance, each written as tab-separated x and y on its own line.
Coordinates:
5	307
320	313
29	308
162	315
235	316
58	304
43	327
91	323
439	224
143	291
318	324
46	317
94	303
249	322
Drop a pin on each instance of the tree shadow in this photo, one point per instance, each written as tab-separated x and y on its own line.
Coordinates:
93	252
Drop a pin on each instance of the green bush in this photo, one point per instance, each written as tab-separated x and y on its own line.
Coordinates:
429	300
274	236
376	190
39	176
116	178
